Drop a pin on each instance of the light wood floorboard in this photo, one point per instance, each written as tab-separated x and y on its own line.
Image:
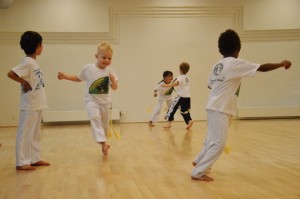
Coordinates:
264	162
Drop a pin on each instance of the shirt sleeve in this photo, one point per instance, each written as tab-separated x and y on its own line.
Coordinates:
210	81
21	70
82	74
180	80
244	68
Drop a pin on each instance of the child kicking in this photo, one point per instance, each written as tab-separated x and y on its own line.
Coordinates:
224	81
99	78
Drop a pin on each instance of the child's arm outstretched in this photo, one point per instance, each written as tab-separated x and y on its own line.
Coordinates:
73	78
175	83
268	67
25	85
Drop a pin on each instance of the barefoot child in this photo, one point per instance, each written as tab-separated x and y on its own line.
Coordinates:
33	100
224	82
183	98
99	77
164	94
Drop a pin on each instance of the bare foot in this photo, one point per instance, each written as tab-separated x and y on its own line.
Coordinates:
208	170
105	147
203	178
40	163
150	123
25	167
190	124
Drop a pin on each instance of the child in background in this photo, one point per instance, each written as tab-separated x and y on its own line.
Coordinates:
99	77
164	94
183	98
224	81
33	100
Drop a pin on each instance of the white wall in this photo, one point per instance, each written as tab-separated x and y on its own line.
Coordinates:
271	14
147	39
55	16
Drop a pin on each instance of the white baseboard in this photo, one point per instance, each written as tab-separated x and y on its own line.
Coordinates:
270	112
73	116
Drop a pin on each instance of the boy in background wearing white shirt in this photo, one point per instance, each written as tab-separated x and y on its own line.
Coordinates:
183	98
33	100
224	81
99	77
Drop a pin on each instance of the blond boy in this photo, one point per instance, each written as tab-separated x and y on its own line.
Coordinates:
99	78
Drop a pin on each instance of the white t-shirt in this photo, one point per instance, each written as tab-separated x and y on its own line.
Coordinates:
30	71
183	89
97	83
224	80
164	93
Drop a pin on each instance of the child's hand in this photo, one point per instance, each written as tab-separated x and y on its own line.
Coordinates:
286	64
26	87
114	83
61	75
112	78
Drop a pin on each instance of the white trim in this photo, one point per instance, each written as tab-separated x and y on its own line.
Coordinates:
73	116
115	13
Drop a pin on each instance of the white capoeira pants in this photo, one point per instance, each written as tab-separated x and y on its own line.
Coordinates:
99	118
28	137
214	143
157	109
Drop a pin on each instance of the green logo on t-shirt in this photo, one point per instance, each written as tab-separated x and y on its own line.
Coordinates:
169	91
238	90
100	86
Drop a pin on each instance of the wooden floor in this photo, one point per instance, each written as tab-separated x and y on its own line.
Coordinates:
264	162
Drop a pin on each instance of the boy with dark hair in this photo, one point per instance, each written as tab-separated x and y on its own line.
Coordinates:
224	81
164	94
183	98
33	100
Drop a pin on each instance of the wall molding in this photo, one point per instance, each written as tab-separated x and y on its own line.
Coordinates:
115	13
74	116
268	112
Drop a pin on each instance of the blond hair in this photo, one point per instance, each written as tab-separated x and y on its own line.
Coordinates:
104	47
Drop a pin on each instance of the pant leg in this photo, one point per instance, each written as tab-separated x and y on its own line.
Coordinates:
105	117
28	138
156	111
214	144
36	139
95	117
168	102
185	107
173	108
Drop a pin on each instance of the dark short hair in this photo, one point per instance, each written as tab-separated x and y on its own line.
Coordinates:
229	42
184	67
167	73
30	40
